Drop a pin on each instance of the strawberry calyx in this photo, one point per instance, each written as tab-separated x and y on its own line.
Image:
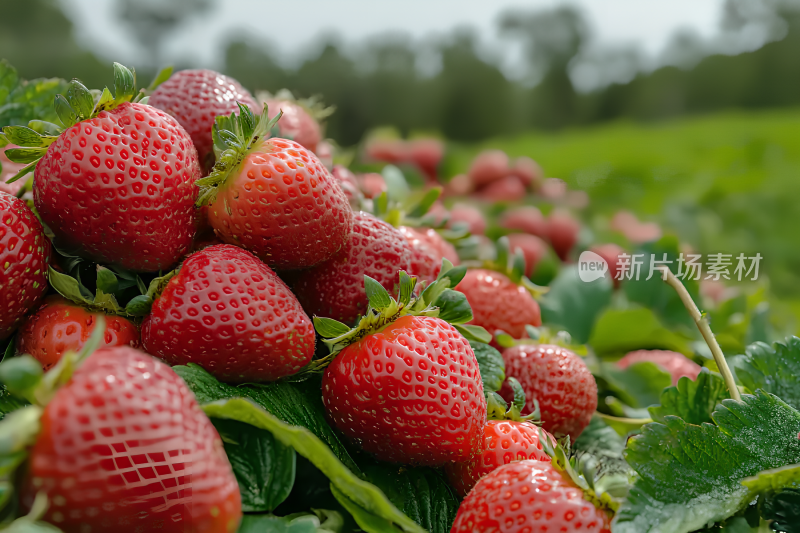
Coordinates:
497	409
77	105
313	105
541	335
234	137
437	300
513	266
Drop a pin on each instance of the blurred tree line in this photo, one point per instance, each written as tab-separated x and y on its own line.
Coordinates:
466	97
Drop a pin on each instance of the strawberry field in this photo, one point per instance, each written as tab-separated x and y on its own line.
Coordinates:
214	319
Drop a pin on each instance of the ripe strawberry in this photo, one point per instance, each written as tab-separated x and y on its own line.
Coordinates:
335	288
124	447
528	171
526	218
553	189
372	184
349	185
426	154
469	215
195	98
296	123
533	249
59	326
507	189
556	378
24	256
504	441
610	253
499	303
529	496
231	314
427	250
562	230
9	171
459	185
636	232
677	364
389	150
273	197
488	166
324	152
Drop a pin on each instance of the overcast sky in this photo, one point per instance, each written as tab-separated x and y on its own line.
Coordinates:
297	26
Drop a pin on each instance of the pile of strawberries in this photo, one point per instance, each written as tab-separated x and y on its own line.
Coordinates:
193	224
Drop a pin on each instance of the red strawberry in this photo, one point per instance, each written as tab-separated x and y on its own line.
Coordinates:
349	185
324	152
533	249
637	232
556	378
372	184
335	288
10	169
274	198
438	243
389	150
529	496
528	171
410	392
230	313
677	364
469	215
499	303
488	166
553	189
526	218
24	256
504	441
59	326
296	123
610	253
124	447
562	230
195	98
460	185
119	188
427	250
506	189
426	154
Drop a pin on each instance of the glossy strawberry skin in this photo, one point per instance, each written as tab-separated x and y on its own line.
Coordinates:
349	185
335	288
411	393
231	314
24	256
195	98
296	123
124	447
559	380
504	441
499	303
59	326
677	364
120	188
528	496
283	206
427	250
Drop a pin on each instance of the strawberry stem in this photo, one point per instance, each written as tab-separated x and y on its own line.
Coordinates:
705	330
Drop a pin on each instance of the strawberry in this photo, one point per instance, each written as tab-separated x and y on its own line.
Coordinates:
504	441
635	231
230	313
459	185
349	185
489	166
427	250
610	253
528	496
9	170
296	123
389	150
124	447
372	184
562	230
553	189
526	218
195	98
677	364
533	249
469	215
59	326
335	288
426	154
272	196
324	152
556	378
507	189
529	171
24	256
499	303
405	384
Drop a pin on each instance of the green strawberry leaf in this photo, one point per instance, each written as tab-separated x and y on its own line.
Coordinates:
783	508
321	522
9	80
22	101
690	475
474	333
25	155
299	404
66	113
774	479
378	297
106	280
775	369
397	189
424	205
639	386
453	307
124	83
80	99
162	76
491	364
574	305
354	490
328	327
27	137
618	331
9	402
73	290
406	288
693	401
423	494
264	467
